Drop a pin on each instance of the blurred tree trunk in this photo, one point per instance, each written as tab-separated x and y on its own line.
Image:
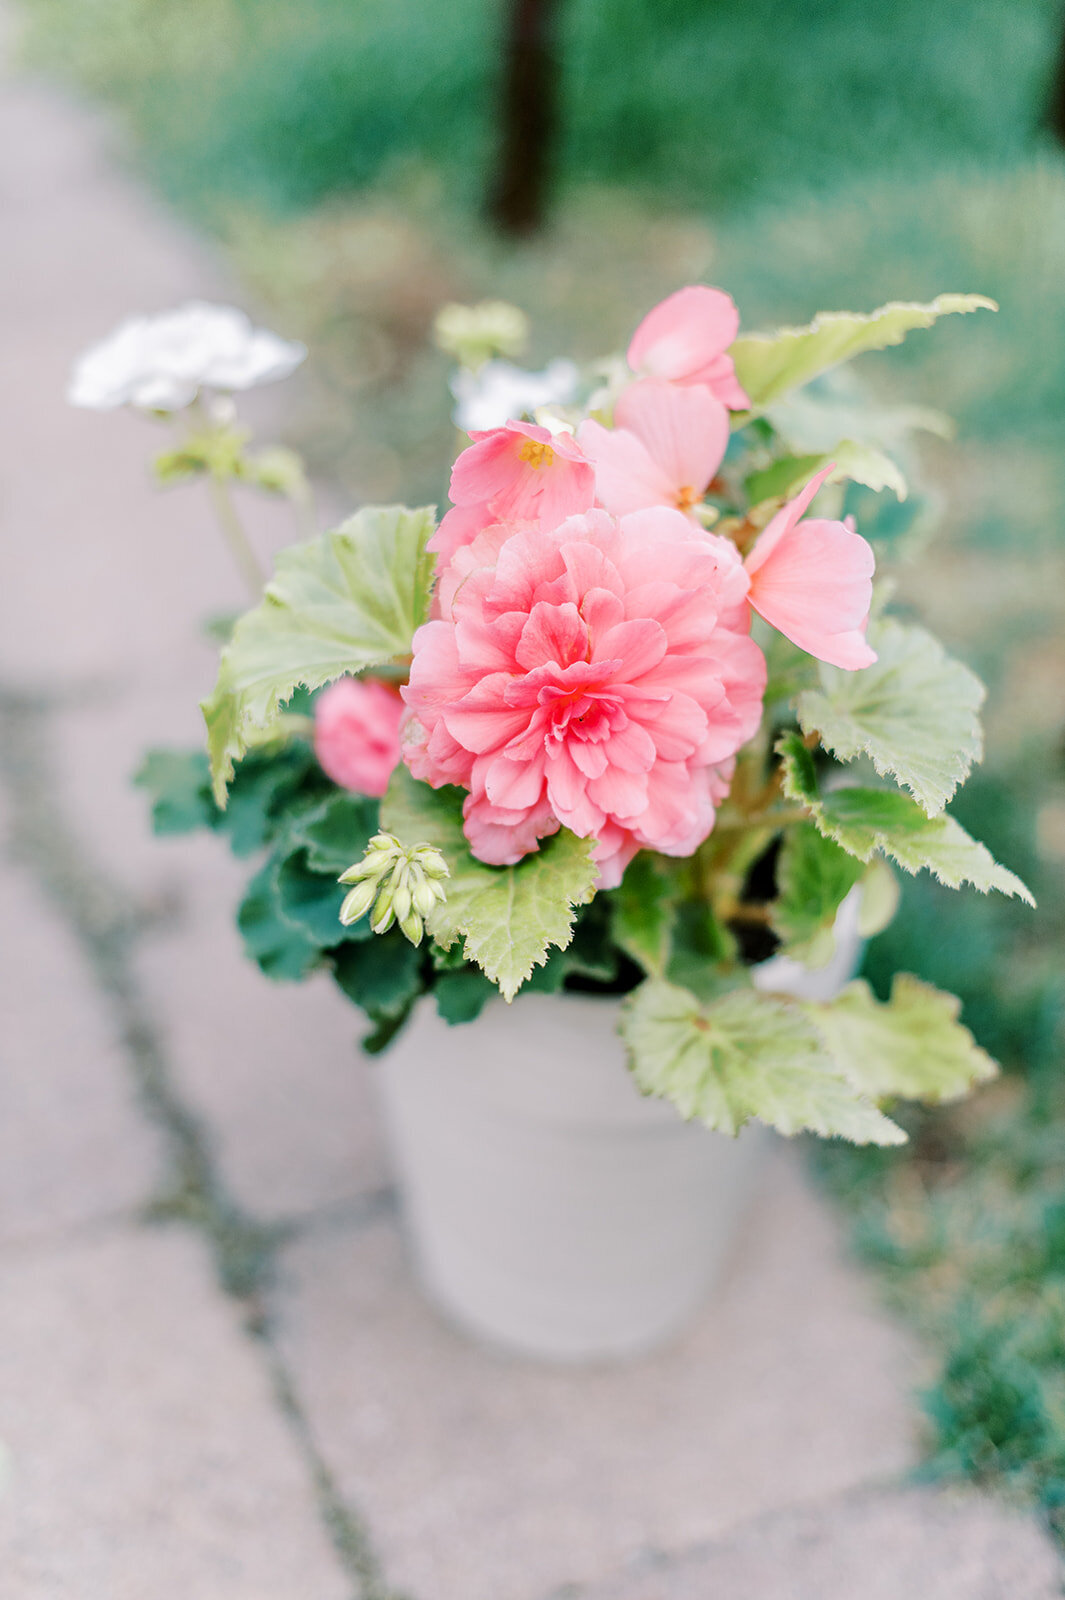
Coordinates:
528	116
1056	108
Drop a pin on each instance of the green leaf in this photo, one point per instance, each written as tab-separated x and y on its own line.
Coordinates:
461	996
335	832
178	783
311	901
914	712
744	1055
699	948
911	1045
508	917
339	603
642	906
814	875
281	947
381	974
265	786
769	365
864	821
858	463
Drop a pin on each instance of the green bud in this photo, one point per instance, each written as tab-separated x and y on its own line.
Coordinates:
382	915
401	896
424	896
412	927
371	867
358	902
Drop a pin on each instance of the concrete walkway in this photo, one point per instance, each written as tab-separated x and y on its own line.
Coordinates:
217	1378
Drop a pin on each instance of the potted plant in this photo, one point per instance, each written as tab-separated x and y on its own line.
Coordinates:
587	793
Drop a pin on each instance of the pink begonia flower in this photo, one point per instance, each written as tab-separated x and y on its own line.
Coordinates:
686	338
666	444
813	581
356	734
597	675
523	472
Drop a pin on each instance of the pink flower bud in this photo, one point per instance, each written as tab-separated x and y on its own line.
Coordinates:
356	734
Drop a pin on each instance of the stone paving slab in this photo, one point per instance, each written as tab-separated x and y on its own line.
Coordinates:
491	1478
73	1144
274	1069
893	1544
146	1455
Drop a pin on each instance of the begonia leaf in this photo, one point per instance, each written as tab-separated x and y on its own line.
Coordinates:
770	365
507	917
914	713
341	602
860	463
742	1056
643	913
912	1045
864	821
382	974
282	948
814	875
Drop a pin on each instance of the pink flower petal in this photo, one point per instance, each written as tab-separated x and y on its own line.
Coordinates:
813	581
684	430
685	338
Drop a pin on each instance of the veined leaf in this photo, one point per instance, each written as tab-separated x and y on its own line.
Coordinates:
914	712
744	1055
912	1045
508	917
865	820
339	603
769	365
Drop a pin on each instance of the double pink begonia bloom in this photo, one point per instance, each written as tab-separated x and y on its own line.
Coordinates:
356	734
597	674
813	581
685	339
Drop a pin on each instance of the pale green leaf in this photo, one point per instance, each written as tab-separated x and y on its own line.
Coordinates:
339	603
769	365
911	1046
814	875
858	463
914	712
741	1056
864	821
508	917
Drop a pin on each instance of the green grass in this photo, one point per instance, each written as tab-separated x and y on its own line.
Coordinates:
283	102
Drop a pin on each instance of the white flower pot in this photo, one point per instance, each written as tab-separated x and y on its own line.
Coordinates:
551	1208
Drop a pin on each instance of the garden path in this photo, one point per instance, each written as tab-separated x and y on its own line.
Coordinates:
217	1379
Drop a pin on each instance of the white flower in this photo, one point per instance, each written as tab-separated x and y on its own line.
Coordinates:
500	392
161	363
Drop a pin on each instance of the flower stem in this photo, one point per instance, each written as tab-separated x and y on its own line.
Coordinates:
235	537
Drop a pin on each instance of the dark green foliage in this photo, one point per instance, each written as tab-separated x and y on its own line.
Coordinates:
462	995
383	976
282	948
179	786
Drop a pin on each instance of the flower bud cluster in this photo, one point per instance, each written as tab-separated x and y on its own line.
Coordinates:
400	884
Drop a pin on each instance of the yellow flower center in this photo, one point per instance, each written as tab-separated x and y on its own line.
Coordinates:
536	454
687	497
